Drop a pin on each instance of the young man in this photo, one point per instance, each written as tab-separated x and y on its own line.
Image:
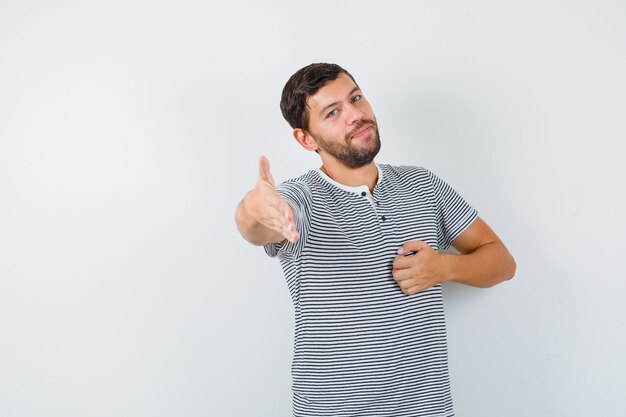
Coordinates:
359	244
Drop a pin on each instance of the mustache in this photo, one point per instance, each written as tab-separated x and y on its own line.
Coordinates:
360	126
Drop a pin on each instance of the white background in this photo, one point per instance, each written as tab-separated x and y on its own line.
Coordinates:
130	130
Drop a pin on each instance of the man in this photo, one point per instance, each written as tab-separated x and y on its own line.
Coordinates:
359	244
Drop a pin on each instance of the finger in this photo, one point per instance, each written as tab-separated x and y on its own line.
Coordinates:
412	246
415	289
403	262
401	274
291	235
411	290
264	170
290	225
264	166
279	221
278	215
284	223
409	285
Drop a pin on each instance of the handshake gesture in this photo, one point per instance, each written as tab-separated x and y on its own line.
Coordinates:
263	216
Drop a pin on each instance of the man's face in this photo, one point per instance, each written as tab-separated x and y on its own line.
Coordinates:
343	124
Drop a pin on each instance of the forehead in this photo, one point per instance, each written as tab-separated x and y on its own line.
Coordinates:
334	90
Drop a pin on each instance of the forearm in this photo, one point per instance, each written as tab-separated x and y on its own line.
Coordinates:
486	266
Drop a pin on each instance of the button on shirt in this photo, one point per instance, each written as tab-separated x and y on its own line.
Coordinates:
362	347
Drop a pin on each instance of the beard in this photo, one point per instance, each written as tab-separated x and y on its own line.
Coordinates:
354	156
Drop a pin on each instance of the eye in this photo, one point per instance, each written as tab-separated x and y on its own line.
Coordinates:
356	98
332	113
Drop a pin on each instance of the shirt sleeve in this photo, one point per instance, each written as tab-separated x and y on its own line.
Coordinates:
297	195
454	214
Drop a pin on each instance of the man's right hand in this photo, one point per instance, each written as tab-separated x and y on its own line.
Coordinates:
267	207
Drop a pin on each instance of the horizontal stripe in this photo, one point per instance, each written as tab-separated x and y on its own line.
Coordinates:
361	346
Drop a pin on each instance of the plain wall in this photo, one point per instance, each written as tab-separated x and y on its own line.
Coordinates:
130	130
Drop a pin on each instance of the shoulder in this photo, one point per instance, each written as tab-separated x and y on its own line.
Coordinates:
299	188
406	173
303	182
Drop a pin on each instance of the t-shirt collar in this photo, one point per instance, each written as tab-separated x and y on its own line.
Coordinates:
356	190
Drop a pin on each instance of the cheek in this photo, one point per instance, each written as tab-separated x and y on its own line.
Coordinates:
333	131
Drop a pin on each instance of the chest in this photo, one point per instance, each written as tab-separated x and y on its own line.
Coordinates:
360	224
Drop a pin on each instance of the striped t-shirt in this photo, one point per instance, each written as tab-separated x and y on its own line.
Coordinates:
362	347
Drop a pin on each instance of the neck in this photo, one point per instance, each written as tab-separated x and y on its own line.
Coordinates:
352	177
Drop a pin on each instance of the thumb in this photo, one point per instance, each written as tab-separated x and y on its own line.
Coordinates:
412	246
264	170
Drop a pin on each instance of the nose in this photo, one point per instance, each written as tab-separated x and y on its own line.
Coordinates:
353	115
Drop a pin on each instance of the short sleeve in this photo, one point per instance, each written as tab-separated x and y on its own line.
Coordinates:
297	194
454	214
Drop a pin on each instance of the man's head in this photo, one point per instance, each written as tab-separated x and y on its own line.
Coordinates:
327	110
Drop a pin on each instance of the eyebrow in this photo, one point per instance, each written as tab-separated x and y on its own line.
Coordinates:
334	103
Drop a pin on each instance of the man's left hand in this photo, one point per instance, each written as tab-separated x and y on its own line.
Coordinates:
420	271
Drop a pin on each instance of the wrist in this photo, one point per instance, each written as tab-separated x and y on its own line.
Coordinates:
449	266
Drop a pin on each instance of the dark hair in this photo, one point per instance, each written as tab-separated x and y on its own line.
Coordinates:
303	84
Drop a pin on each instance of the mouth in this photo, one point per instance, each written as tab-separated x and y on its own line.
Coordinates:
362	132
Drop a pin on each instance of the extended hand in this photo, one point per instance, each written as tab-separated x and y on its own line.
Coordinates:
268	208
420	271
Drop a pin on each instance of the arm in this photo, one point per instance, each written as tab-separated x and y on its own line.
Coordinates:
484	261
263	216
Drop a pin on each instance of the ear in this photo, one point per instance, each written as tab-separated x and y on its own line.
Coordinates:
305	139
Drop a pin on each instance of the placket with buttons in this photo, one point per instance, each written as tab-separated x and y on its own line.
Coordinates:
382	216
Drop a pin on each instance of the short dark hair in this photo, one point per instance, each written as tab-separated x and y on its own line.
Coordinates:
303	84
